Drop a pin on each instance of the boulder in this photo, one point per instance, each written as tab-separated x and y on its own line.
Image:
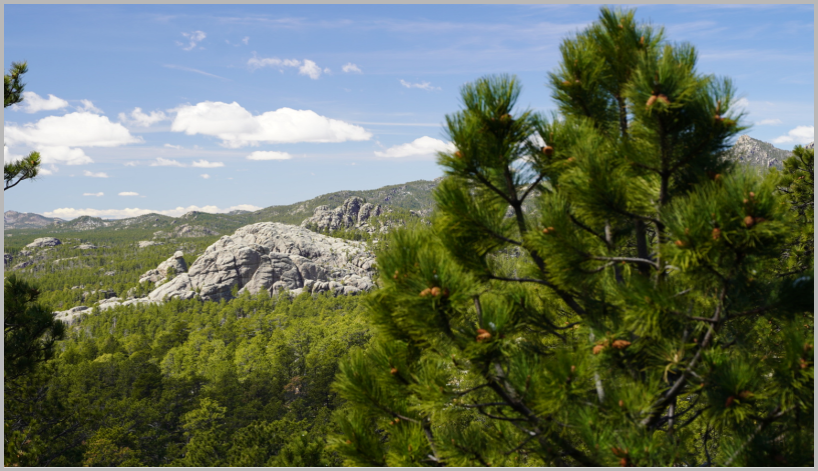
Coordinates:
45	242
272	257
175	264
86	246
147	243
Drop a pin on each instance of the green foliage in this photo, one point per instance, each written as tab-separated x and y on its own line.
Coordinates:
27	167
635	317
239	383
30	330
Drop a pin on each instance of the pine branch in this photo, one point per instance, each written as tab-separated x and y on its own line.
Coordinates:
775	414
627	259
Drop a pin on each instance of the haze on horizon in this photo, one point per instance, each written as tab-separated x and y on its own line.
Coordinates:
169	109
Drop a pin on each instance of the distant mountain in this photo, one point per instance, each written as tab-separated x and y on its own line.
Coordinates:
757	153
15	220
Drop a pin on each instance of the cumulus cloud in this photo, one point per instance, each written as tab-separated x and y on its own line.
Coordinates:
237	127
48	171
138	118
71	213
422	85
246	39
350	67
269	155
310	68
93	194
87	105
422	146
8	157
79	129
33	103
162	162
95	175
194	38
63	155
767	122
799	135
205	164
128	193
205	176
132	163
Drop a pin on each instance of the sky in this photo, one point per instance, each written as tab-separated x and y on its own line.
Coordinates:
174	108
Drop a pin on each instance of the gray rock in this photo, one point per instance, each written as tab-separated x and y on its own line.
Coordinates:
757	153
71	315
185	230
7	258
45	242
24	264
86	246
811	145
175	264
147	243
353	213
273	257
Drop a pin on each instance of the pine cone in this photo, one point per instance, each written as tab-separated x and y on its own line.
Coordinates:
663	99
620	344
679	243
598	348
729	401
425	293
651	101
483	334
716	233
548	150
458	155
748	221
435	291
393	371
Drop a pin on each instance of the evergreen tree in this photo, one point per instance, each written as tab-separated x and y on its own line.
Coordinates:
633	318
797	182
28	167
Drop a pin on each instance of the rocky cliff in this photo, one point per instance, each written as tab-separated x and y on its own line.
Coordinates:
354	212
15	220
757	153
272	257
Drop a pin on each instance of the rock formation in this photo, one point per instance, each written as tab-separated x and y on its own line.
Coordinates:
15	220
757	153
185	230
45	242
273	257
175	265
353	213
147	243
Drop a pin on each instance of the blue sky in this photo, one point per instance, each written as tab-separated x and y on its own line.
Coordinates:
152	108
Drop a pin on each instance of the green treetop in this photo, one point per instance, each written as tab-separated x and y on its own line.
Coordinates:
633	318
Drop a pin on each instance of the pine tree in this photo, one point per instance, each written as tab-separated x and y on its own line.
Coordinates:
597	288
27	167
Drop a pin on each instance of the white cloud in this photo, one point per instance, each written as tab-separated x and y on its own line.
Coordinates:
246	39
94	194
138	118
33	103
311	69
71	130
173	146
132	163
161	162
128	193
767	122
269	155
195	38
95	175
88	106
48	171
237	127
71	213
205	164
8	157
257	63
799	135
350	67
63	155
197	71
422	146
422	85
205	176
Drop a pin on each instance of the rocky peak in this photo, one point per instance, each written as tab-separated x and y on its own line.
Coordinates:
354	212
757	153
